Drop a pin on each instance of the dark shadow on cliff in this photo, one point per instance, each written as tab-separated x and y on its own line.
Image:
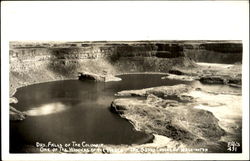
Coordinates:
223	53
169	51
63	61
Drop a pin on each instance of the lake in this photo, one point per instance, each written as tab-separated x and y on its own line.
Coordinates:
74	110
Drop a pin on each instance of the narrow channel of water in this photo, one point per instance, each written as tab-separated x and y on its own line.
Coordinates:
73	110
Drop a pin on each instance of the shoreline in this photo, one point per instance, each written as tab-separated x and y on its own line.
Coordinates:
19	115
195	73
76	78
126	148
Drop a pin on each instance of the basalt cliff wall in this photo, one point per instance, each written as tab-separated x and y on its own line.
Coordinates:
224	52
36	64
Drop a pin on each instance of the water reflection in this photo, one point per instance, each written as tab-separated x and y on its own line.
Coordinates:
47	109
75	110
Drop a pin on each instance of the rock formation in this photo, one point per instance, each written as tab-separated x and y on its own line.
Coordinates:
44	62
169	111
97	77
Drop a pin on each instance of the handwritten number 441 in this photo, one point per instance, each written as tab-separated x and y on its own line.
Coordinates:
232	146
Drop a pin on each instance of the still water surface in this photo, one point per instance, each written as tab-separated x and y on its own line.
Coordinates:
73	110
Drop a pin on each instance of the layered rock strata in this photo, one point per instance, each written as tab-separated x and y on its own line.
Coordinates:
37	63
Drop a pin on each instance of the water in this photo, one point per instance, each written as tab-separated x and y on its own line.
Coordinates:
73	110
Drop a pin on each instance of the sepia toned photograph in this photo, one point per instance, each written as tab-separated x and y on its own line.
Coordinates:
125	80
126	97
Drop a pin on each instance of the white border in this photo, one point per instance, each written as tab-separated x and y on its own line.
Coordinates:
91	21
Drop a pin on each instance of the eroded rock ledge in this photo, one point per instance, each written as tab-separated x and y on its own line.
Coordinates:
15	115
209	74
97	77
169	111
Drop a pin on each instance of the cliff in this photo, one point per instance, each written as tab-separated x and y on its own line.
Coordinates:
32	63
36	63
224	53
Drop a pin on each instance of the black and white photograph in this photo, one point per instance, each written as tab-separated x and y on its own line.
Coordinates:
146	96
101	86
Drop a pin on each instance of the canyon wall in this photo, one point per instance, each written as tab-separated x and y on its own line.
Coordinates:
224	53
42	62
31	64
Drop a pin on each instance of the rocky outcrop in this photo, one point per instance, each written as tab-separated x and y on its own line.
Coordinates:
97	77
206	74
15	115
160	113
91	76
176	72
13	100
162	91
220	80
180	77
212	80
